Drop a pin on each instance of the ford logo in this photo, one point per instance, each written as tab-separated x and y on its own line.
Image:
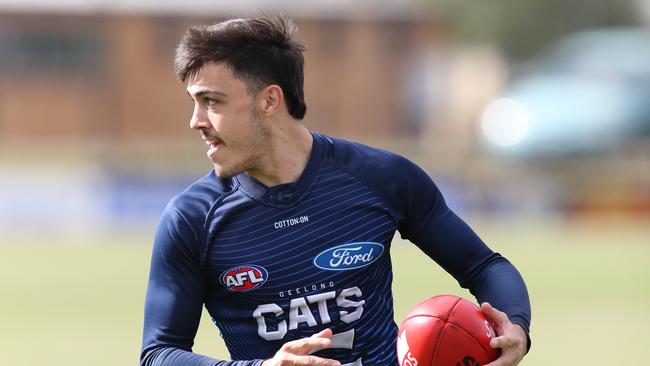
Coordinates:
348	256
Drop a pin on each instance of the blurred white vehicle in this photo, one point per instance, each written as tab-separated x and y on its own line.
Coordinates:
588	93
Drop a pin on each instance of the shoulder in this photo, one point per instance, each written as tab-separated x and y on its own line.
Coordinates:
382	170
181	232
195	203
366	161
400	183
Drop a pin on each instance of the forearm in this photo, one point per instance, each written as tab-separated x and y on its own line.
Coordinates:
174	356
500	284
489	276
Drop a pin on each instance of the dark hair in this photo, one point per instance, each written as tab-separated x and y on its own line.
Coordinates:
259	51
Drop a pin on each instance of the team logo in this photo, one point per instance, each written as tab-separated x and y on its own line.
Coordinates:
244	278
404	355
348	256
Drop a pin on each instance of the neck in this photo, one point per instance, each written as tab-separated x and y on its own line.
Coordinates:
289	149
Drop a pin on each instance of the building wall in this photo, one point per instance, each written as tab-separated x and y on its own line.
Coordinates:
111	77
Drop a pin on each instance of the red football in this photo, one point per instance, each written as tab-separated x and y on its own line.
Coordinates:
445	330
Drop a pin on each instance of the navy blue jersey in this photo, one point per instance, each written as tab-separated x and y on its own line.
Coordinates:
277	264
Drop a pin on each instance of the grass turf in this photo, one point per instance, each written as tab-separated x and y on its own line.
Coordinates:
78	301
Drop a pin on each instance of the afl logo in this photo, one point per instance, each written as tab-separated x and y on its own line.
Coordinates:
244	278
349	256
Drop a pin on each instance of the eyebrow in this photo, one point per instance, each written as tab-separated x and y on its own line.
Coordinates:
203	92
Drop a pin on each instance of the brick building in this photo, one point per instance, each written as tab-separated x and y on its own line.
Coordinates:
107	74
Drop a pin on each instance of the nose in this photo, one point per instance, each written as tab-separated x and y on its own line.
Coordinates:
199	120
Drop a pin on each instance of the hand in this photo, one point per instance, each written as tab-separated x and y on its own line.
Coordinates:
296	353
511	338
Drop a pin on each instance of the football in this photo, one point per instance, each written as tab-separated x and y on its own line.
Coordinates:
445	330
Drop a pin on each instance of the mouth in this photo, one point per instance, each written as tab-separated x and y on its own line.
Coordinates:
213	146
212	143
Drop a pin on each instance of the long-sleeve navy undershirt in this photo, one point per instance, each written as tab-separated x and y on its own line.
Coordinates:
348	193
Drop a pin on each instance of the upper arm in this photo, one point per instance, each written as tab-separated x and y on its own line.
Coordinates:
444	237
423	217
428	222
420	211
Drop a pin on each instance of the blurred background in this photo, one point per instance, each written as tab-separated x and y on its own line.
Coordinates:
532	117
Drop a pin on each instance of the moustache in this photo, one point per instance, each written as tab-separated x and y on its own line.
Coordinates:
205	136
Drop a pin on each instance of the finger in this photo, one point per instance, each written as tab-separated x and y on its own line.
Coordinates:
498	362
506	359
307	345
496	316
325	333
313	361
502	342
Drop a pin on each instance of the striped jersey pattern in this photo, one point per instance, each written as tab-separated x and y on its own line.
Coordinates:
285	240
275	264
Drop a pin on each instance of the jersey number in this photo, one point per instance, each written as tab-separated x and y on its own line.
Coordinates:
345	340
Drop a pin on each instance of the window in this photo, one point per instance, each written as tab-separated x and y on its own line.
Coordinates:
51	52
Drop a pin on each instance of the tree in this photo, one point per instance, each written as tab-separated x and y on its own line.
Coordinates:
522	27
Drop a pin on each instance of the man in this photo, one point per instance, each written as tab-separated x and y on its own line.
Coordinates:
286	242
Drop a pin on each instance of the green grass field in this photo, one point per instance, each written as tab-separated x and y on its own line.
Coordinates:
74	302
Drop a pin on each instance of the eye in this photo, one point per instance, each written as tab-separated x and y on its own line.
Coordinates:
211	102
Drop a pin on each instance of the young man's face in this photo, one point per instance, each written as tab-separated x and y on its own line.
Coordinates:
224	114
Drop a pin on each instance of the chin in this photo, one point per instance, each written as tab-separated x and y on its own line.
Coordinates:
221	173
225	172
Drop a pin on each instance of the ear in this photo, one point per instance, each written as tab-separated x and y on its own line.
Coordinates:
271	100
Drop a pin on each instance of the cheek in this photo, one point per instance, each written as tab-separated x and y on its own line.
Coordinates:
229	128
240	129
215	120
